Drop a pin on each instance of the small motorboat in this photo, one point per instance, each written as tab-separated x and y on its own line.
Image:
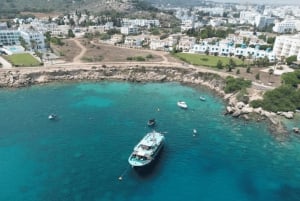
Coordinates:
202	98
182	104
52	116
194	131
151	122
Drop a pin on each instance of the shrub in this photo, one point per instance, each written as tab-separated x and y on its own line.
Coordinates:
236	84
149	56
140	58
257	76
248	70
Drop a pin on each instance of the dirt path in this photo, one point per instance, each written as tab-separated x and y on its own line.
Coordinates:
77	58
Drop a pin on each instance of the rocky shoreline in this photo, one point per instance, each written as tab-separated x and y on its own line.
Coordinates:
137	73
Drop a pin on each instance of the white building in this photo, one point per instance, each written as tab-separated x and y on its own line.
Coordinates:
248	17
9	37
216	22
263	21
187	24
186	43
34	39
224	49
134	41
3	25
285	26
93	29
140	22
165	44
129	30
286	46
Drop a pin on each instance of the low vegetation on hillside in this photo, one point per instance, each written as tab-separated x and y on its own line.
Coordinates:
236	84
283	98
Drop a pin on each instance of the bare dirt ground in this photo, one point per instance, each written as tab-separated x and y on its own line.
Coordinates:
111	53
81	50
264	78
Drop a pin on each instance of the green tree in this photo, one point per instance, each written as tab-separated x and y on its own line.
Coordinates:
23	43
271	72
291	59
292	78
219	65
232	63
71	34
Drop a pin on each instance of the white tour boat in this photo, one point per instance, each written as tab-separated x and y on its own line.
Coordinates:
147	149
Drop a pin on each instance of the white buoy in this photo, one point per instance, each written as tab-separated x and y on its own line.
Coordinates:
120	178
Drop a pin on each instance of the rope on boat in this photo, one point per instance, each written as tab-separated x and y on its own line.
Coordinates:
124	172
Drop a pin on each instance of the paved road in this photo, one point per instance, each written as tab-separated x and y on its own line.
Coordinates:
5	64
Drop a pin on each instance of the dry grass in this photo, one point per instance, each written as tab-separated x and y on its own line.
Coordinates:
68	51
111	53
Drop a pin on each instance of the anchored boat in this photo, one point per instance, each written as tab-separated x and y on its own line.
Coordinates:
147	149
182	104
151	122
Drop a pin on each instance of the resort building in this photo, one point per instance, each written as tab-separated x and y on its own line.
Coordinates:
286	46
3	25
9	37
35	40
226	49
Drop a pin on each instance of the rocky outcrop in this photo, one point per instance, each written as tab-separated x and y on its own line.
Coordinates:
27	77
288	115
241	109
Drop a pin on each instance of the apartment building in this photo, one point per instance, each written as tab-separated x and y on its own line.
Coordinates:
287	45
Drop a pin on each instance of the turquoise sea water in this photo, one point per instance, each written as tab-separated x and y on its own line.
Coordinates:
80	156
